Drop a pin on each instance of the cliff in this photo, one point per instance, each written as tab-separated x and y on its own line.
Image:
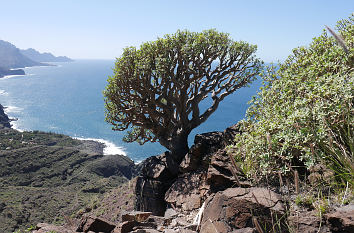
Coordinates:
11	57
4	119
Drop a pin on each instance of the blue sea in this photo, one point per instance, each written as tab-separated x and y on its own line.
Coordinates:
67	98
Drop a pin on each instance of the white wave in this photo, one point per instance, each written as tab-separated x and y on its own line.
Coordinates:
12	109
15	125
14	121
11	76
2	92
109	149
137	162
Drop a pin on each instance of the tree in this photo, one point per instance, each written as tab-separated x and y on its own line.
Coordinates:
156	90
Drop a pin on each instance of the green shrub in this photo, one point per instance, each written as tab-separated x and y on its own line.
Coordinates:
304	112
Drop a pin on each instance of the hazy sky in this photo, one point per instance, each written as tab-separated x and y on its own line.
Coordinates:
101	28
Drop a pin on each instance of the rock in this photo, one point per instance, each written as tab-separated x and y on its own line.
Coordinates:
184	194
95	224
192	160
126	226
220	172
245	230
307	221
234	208
342	219
204	145
146	231
130	226
157	175
138	216
44	228
169	213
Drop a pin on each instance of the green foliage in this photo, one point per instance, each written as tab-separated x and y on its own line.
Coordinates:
304	113
156	89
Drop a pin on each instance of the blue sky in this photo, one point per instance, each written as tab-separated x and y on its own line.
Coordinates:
102	28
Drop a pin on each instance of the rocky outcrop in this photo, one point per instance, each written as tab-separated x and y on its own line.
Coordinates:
95	224
238	208
157	175
342	219
184	187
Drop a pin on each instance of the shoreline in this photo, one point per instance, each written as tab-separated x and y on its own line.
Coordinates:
108	148
12	76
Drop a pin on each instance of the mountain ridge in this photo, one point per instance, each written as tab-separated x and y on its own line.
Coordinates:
43	57
12	59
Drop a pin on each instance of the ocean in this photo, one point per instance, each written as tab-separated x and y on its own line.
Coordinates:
67	98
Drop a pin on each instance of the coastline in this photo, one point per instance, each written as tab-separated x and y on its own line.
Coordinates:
109	147
102	146
37	112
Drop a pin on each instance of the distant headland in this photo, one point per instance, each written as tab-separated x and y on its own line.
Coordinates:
12	59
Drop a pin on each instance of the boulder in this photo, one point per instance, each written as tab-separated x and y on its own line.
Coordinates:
138	216
95	224
204	146
44	228
235	208
221	173
307	221
157	175
131	226
186	193
342	219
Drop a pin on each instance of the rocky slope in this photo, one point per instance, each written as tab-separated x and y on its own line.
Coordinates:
206	193
47	177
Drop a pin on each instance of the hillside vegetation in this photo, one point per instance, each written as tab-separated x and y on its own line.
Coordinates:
45	177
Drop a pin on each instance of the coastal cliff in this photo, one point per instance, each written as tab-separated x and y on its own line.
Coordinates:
12	58
4	119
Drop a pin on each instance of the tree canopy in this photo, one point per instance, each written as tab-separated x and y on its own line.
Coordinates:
156	90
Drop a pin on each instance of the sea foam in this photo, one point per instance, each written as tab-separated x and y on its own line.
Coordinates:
109	149
3	92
